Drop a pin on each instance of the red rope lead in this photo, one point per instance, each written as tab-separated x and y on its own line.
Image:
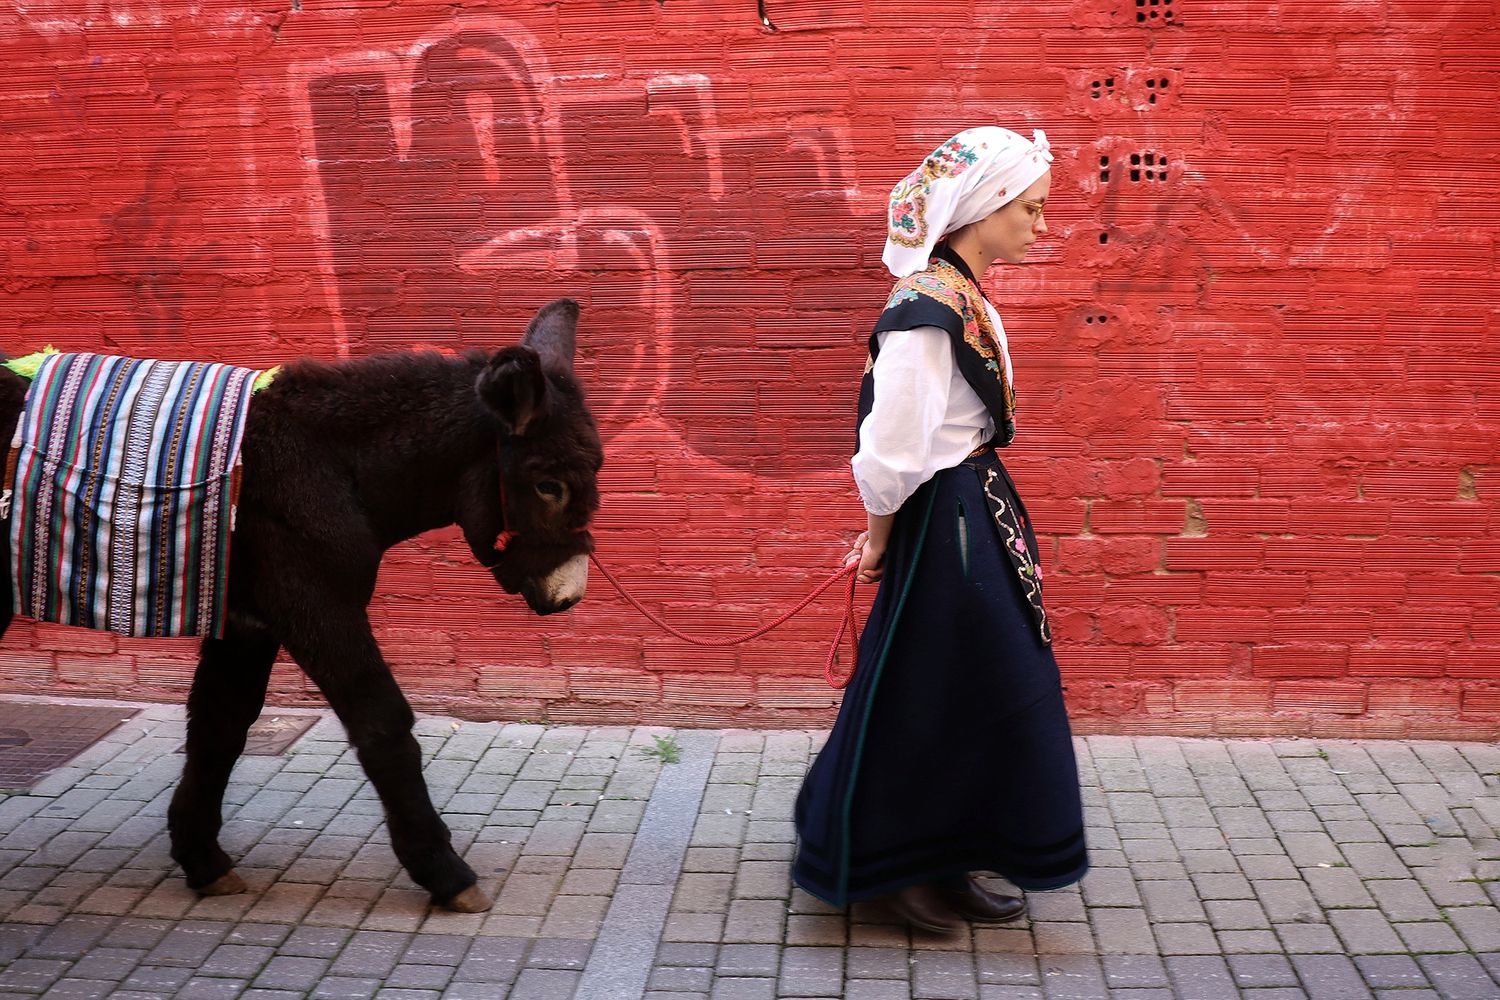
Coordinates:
846	624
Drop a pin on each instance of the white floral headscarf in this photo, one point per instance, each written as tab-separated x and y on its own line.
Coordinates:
962	181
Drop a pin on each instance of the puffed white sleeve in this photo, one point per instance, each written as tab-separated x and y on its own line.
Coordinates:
913	380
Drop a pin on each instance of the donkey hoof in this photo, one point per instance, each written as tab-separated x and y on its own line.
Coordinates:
225	885
471	900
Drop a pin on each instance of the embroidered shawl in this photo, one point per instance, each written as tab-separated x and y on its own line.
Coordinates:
945	295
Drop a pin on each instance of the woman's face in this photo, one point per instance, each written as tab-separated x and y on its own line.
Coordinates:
1008	232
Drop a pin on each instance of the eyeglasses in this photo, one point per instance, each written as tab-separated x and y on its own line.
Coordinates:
1033	208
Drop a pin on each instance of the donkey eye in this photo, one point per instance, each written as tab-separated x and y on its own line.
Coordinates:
551	489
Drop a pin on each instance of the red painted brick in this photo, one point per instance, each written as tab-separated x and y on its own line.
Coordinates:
1246	697
712	690
1319	697
601	685
1299	661
497	681
1404	699
1482	701
1113	555
1162	517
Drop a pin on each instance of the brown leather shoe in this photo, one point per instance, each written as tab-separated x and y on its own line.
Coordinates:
973	902
922	906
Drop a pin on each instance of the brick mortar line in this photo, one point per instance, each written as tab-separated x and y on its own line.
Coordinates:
625	952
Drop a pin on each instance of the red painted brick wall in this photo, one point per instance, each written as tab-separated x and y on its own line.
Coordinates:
1258	357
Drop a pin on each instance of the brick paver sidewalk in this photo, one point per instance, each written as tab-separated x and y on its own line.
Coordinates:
1222	868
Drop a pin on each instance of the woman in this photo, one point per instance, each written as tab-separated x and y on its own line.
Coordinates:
951	753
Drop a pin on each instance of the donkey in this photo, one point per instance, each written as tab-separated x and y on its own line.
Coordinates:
341	462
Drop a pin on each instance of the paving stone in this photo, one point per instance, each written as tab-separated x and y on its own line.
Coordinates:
1200	977
1429	937
944	976
811	972
1121	931
1330	977
1172	901
877	989
1365	932
1392	972
1262	942
544	984
1135	971
1459	977
1309	939
1251	971
736	988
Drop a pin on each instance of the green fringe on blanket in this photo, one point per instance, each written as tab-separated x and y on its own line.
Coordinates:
28	365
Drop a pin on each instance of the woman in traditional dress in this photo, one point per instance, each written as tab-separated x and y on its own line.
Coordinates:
951	754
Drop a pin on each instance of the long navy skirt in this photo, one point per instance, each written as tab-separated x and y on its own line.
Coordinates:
951	752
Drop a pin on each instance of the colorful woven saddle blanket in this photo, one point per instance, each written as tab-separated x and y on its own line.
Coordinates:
122	479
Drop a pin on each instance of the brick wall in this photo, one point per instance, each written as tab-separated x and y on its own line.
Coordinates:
1258	357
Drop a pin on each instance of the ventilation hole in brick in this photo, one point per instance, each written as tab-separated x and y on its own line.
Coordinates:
1103	238
1151	99
1089	320
1163	83
1104	177
1135	159
1109	82
1135	173
1103	161
1150	84
1150	159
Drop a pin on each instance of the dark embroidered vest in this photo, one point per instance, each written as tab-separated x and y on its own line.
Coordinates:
946	296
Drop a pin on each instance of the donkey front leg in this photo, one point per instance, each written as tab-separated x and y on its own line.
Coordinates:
345	663
229	690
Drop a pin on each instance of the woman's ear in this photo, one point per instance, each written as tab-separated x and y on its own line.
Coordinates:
514	388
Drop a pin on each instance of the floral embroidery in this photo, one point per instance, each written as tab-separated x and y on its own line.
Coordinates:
1011	524
908	208
947	284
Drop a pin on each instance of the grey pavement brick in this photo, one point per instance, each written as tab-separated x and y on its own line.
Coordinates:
743	989
811	972
1391	972
1200	977
492	960
948	975
1365	932
1252	971
1430	937
877	989
1134	971
1334	977
752	960
1459	977
1122	931
1168	901
1309	939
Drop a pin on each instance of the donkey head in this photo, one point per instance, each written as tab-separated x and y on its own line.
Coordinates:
549	456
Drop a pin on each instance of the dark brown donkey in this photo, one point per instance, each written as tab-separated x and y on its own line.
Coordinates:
341	462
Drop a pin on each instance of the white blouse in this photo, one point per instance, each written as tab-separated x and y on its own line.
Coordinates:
926	417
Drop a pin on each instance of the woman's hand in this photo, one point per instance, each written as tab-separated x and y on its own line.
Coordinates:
869	556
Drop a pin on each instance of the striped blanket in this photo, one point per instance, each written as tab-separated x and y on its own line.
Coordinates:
123	479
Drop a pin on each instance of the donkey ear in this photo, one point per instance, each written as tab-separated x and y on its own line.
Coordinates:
514	388
552	334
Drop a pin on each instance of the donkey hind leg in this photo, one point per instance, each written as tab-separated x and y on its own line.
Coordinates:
345	663
229	690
